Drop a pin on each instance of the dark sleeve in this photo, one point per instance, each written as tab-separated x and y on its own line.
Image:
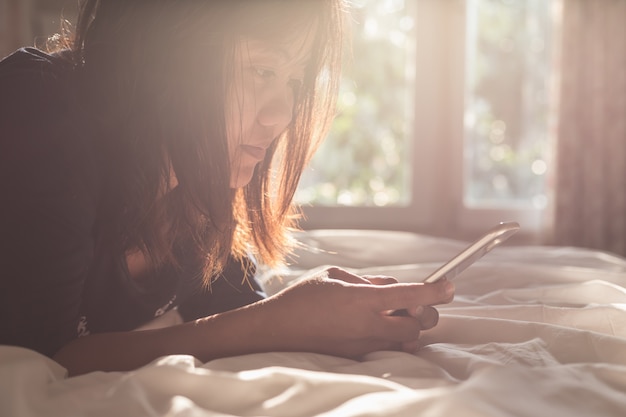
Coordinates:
236	287
48	207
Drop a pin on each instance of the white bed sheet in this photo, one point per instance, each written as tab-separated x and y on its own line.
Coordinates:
533	331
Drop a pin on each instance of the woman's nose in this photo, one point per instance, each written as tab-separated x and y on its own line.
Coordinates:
277	111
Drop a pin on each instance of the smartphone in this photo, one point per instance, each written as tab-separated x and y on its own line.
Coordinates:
474	252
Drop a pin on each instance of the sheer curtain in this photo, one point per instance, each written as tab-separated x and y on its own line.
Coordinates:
590	182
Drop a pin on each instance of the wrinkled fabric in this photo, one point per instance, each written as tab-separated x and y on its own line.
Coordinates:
533	331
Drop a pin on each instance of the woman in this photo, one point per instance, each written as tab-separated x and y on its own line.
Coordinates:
147	166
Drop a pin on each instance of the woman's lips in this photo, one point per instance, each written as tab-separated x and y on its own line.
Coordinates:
255	152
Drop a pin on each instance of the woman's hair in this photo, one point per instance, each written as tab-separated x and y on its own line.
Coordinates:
158	72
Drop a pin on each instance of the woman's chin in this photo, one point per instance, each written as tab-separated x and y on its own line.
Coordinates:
242	178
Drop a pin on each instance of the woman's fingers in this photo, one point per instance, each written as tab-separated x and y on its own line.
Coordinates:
350	312
410	347
428	318
411	296
413	300
403	332
343	275
380	279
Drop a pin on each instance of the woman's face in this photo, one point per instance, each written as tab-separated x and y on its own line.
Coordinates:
262	99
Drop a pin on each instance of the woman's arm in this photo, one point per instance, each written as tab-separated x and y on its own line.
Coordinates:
323	315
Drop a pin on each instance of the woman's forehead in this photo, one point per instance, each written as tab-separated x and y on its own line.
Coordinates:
293	23
297	52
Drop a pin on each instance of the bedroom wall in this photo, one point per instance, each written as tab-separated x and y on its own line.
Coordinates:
27	22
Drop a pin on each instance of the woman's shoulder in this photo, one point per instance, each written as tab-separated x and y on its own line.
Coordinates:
33	61
30	76
41	132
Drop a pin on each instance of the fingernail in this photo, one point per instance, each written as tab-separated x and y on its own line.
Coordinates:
419	310
449	288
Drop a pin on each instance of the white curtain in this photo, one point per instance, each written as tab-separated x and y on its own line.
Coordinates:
590	182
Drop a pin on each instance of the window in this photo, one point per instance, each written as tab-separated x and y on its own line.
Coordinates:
444	120
365	161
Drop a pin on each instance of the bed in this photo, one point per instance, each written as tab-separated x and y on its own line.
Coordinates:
533	331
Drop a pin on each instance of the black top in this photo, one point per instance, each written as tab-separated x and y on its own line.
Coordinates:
58	281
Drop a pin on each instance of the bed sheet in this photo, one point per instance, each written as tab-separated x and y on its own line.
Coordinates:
533	331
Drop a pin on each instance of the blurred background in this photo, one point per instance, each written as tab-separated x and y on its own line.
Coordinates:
454	115
24	22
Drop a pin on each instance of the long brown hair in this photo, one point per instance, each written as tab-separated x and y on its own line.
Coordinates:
157	72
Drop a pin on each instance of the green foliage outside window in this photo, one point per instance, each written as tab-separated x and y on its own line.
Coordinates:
364	161
509	52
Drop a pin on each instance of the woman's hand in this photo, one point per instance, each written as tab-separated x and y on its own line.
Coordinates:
349	315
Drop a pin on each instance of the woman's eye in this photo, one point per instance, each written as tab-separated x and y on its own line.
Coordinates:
266	74
263	73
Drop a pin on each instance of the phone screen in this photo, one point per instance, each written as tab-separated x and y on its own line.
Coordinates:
475	251
471	254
